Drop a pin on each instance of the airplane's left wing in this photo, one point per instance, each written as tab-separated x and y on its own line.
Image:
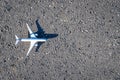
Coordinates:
32	35
32	43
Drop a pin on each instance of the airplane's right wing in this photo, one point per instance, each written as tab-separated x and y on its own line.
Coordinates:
32	35
32	43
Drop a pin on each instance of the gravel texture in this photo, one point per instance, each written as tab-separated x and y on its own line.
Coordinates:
87	46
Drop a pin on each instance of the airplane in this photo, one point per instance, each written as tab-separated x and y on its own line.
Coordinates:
35	38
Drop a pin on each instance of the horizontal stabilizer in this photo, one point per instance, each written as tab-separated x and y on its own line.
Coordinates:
17	40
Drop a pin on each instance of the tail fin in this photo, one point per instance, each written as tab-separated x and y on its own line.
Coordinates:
17	40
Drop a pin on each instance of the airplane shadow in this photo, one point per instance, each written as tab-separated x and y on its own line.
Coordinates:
41	34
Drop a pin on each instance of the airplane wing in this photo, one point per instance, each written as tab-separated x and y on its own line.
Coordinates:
32	35
32	43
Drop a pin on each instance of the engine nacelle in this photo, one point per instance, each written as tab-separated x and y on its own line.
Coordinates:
36	44
36	34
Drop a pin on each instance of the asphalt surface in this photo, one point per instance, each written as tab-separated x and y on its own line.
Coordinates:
87	46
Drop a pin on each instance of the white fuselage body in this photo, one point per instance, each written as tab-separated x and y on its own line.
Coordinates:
33	39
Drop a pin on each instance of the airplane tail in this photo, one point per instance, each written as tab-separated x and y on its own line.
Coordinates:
17	40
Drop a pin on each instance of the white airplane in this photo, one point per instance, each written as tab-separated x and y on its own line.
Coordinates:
33	39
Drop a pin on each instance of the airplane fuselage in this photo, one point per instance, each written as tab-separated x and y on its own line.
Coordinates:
33	39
